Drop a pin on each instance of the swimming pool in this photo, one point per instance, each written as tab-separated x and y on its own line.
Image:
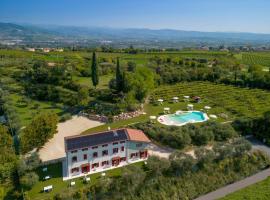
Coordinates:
181	118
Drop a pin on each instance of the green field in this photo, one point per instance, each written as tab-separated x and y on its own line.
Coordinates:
258	191
256	58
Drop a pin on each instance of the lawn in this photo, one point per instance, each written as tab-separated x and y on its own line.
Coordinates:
27	109
55	171
259	191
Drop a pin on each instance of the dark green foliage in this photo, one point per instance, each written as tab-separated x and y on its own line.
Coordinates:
7	157
181	177
180	137
94	69
119	77
29	180
259	127
36	134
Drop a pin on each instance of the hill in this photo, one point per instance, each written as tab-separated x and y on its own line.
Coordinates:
48	35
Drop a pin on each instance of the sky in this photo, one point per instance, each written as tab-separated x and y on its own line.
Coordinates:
198	15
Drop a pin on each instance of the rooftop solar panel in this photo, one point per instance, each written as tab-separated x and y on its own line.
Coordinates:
73	143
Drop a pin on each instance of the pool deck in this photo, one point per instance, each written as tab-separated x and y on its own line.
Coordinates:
162	121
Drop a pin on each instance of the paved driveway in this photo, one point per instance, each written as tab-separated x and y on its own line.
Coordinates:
54	148
236	186
163	152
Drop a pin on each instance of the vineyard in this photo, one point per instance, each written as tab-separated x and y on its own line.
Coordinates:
256	58
229	100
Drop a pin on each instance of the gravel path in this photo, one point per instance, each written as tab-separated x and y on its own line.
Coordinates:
54	148
163	152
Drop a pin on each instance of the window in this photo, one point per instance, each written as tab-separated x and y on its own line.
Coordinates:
85	149
115	150
74	159
95	147
115	143
122	142
95	165
76	169
74	151
139	145
95	154
122	148
133	155
104	145
105	153
105	163
85	156
122	159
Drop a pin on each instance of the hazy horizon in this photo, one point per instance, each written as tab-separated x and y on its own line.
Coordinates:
243	16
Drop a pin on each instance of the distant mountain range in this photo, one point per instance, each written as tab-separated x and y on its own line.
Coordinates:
51	35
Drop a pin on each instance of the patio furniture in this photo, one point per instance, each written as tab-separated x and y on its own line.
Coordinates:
47	178
213	116
175	99
160	101
72	183
152	119
44	169
190	106
186	98
48	188
103	174
207	107
166	110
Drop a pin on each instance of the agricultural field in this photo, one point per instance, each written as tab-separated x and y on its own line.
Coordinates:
259	191
229	100
256	59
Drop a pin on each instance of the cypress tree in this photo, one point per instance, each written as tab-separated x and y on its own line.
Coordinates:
94	68
118	77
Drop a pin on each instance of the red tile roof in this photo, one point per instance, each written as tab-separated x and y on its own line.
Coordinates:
137	135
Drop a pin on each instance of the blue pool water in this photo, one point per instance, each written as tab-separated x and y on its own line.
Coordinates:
183	118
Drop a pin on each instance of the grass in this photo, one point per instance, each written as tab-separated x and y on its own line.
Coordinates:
103	81
262	58
259	191
55	171
26	110
224	99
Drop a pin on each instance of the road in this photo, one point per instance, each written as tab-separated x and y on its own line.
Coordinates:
256	145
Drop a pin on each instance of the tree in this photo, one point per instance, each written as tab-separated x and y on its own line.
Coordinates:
7	156
29	180
94	67
131	66
141	82
83	96
119	77
38	132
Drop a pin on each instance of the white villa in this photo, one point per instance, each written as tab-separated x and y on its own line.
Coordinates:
87	154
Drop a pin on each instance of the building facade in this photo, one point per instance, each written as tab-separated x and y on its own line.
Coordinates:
87	154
